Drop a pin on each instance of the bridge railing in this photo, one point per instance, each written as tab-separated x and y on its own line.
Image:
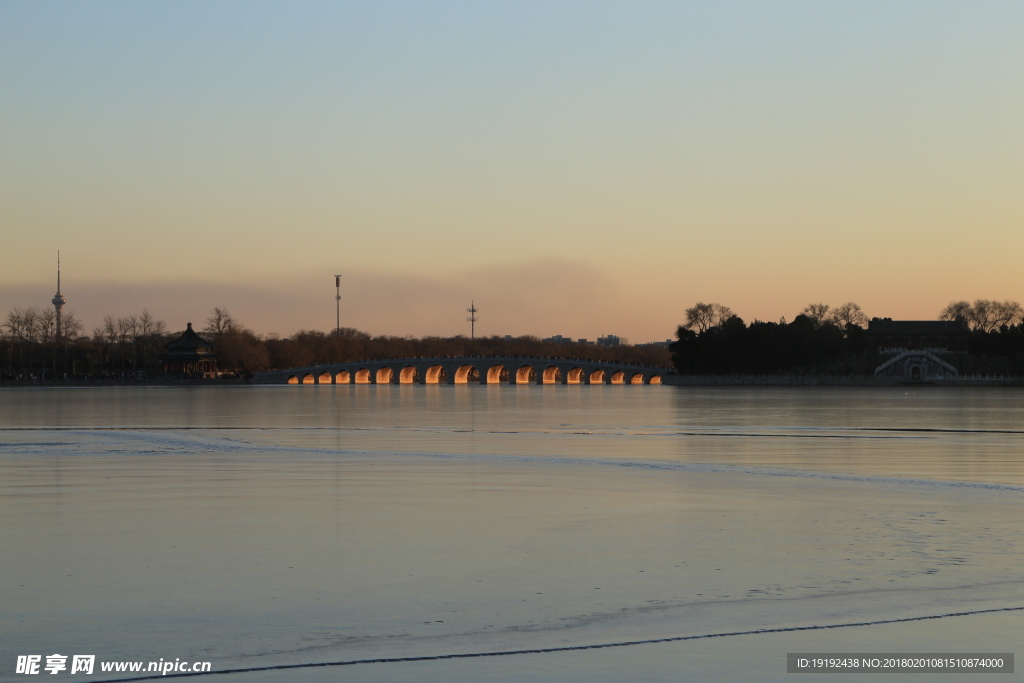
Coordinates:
421	359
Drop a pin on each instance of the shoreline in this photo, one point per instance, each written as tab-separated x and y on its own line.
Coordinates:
667	380
111	382
753	381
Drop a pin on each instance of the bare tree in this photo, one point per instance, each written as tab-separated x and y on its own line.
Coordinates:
12	330
46	326
70	328
702	317
240	349
219	322
984	314
956	310
1006	313
846	316
817	313
988	315
150	333
24	327
110	330
27	320
147	323
126	336
19	324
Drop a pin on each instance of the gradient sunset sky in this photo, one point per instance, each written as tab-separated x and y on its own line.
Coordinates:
576	168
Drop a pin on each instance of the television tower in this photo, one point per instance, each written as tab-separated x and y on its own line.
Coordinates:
58	298
337	301
472	319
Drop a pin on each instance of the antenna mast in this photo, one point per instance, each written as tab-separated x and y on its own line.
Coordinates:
337	304
58	300
472	319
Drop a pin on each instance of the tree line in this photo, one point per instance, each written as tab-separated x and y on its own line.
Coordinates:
242	350
822	340
984	314
32	347
126	345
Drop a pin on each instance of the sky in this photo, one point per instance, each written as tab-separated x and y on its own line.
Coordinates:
574	168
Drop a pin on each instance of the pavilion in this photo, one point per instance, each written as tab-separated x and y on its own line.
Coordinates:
190	354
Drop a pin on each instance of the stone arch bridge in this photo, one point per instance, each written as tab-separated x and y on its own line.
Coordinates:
466	370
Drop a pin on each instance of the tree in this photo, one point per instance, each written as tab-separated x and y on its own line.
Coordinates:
1006	313
240	349
846	316
70	328
702	317
24	323
15	328
150	335
46	326
816	313
219	322
127	337
148	325
22	330
984	314
108	332
956	310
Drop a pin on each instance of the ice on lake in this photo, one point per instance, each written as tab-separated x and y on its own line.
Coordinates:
264	526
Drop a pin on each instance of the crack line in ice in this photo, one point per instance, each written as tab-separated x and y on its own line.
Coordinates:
724	469
736	431
177	444
565	648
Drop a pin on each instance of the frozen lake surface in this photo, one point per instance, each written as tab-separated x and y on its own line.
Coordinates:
265	526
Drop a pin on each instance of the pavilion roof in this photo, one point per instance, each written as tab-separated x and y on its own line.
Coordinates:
189	344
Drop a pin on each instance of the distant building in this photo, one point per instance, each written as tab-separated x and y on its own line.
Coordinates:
916	365
916	346
886	334
190	354
661	343
558	339
612	340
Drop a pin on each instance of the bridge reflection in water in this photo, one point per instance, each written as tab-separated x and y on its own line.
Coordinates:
485	370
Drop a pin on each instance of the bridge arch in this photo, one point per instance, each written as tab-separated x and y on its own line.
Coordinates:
552	375
637	378
618	377
408	375
292	379
308	378
384	375
574	376
363	376
324	378
526	374
436	375
496	374
466	374
597	377
655	379
343	377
